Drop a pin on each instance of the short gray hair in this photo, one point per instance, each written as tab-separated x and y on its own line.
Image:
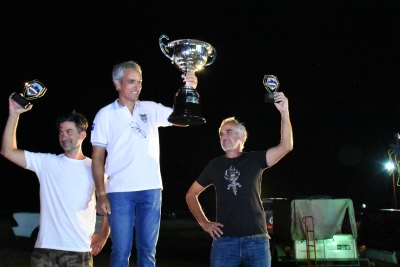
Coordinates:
118	71
239	126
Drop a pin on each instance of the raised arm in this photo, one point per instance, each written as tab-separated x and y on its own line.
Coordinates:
213	228
98	161
9	147
274	154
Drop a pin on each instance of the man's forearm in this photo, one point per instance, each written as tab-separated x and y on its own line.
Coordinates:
196	210
98	170
9	141
98	177
105	228
9	147
286	131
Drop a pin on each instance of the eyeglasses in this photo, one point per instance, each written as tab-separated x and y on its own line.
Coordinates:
136	127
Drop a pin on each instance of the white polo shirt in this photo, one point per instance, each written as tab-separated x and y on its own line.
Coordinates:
132	144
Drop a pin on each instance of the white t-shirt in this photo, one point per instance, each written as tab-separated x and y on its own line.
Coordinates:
132	144
67	201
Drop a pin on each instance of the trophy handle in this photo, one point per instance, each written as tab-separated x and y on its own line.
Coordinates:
213	57
162	45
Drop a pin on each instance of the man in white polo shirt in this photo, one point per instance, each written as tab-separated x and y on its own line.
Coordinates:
127	132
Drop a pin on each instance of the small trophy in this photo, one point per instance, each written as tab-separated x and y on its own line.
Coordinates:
32	90
271	83
187	55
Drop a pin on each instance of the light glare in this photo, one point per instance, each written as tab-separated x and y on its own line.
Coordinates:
390	166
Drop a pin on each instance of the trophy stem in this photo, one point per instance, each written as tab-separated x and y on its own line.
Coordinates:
187	110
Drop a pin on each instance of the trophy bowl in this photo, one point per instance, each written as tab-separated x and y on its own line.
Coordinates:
188	55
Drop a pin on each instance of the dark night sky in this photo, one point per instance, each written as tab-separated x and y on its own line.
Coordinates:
338	63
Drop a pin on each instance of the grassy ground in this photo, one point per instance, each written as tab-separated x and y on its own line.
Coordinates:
181	243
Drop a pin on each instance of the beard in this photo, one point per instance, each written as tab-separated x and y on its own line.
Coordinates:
69	146
230	146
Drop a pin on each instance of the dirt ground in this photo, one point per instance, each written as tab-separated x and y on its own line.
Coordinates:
181	243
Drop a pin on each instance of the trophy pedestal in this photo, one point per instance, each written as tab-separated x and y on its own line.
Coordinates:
187	119
269	97
20	100
187	107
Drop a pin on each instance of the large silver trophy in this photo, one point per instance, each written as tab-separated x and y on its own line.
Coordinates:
32	90
187	55
271	84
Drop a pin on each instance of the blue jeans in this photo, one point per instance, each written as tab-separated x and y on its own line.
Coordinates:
140	211
247	251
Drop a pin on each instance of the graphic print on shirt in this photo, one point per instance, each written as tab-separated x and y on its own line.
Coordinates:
232	175
143	117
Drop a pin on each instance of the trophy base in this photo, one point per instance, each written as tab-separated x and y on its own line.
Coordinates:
187	109
186	120
21	100
269	98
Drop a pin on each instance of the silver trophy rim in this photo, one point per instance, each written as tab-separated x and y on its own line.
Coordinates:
186	43
209	47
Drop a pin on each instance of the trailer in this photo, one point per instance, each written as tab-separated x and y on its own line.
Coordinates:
324	232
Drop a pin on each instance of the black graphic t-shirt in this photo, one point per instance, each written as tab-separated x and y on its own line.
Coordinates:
237	183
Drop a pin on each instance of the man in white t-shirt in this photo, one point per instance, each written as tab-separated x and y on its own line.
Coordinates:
67	200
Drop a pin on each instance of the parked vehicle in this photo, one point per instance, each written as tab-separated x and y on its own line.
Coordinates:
328	221
277	212
29	223
379	229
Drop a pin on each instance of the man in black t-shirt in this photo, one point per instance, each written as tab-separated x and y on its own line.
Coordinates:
240	232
